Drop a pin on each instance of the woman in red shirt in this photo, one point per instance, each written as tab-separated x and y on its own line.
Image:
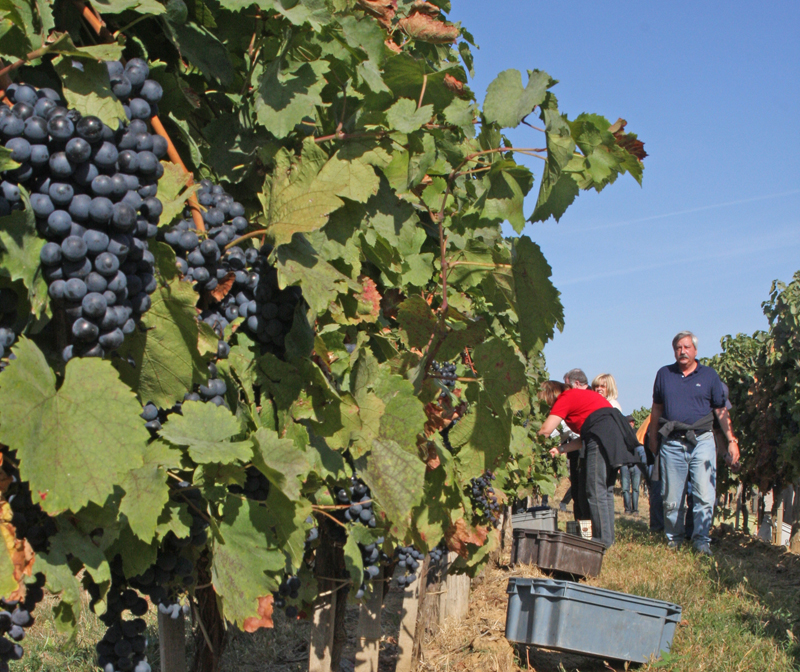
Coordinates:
597	475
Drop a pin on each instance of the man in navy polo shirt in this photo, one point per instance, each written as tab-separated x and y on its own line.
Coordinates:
686	397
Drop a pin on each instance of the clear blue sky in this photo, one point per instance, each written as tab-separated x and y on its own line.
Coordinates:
713	89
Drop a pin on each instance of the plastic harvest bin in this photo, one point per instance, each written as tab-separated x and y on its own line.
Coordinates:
557	551
536	518
583	619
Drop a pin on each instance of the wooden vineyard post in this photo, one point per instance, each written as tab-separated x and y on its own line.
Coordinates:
738	505
320	647
171	643
779	519
369	629
408	626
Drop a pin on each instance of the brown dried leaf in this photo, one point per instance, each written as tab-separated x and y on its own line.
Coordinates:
396	48
459	535
223	287
369	299
382	10
421	26
19	550
432	461
454	85
426	8
628	141
252	623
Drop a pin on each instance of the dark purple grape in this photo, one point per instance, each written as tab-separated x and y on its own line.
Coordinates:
20	149
73	248
60	127
106	264
41	205
79	207
40	155
85	173
90	129
61	194
106	156
59	223
75	289
78	150
101	210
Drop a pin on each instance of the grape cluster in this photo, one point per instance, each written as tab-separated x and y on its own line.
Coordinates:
15	618
266	311
408	559
445	373
256	485
485	506
372	557
437	553
359	499
213	391
8	316
288	590
93	192
138	94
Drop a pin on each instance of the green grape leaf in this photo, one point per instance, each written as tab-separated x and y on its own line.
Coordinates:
555	198
119	6
417	321
189	138
406	76
289	524
70	541
536	300
246	551
396	478
137	555
280	461
174	187
294	199
57	432
366	35
352	179
481	437
167	362
6	162
203	50
206	429
299	264
146	494
503	375
232	149
286	98
174	518
503	200
507	103
19	253
462	335
404	116
62	582
89	90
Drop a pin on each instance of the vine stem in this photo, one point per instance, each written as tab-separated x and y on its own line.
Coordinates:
422	93
94	20
478	263
252	234
328	515
194	206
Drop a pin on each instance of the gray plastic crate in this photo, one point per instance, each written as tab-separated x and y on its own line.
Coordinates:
593	621
536	518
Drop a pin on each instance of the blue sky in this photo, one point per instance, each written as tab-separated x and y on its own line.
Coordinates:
713	89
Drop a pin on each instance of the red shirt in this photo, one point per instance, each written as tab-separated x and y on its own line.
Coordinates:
573	406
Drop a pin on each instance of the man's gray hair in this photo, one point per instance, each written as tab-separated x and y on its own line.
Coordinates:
576	376
683	334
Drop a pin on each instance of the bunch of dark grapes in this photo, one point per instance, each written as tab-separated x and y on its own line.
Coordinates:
213	391
266	311
372	557
445	373
124	643
288	590
256	485
34	525
164	582
93	192
437	553
8	316
358	501
15	618
485	506
408	559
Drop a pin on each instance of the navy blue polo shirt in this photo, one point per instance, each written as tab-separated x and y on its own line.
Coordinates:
688	398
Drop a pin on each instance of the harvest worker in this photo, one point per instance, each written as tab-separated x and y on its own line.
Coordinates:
609	442
686	397
577	483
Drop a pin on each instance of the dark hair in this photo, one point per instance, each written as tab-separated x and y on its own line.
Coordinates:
576	376
550	390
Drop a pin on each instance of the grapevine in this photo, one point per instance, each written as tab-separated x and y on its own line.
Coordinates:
240	280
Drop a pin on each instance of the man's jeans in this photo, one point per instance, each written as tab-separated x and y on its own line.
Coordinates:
600	480
681	463
630	475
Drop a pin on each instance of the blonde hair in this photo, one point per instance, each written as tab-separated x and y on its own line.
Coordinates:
550	391
608	380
